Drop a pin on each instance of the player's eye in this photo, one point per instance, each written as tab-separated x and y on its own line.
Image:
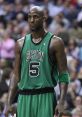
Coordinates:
36	16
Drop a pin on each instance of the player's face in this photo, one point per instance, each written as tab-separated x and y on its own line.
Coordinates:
35	20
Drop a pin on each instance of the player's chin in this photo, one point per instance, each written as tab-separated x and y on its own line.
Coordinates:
33	29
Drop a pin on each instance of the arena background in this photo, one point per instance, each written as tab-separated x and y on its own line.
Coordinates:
64	19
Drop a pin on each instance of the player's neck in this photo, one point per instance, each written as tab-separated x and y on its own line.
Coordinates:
38	34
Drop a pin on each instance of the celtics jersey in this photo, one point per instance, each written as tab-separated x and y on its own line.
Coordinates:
36	69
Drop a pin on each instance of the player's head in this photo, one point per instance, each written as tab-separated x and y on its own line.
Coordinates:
36	18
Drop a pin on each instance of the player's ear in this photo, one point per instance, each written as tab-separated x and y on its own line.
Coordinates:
44	18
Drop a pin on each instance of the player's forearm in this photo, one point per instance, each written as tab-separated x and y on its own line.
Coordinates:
63	92
12	90
63	81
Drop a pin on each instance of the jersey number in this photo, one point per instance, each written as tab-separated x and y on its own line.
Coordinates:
34	69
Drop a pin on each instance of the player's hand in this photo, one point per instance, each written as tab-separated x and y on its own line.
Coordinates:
59	109
6	110
10	110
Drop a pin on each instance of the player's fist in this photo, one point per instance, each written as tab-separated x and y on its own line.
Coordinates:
10	110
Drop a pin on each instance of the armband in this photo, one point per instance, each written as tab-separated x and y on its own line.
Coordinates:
64	77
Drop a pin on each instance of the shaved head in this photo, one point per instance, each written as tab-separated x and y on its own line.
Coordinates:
37	9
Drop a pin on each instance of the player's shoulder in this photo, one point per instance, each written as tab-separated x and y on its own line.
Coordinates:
57	40
20	41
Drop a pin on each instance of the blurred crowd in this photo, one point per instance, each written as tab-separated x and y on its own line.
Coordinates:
64	19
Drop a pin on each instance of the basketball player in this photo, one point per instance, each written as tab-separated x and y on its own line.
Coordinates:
40	63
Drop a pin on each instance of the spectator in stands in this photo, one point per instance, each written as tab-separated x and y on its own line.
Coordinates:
7	47
75	31
66	114
4	84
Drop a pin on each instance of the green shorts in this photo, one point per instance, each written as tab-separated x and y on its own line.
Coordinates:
41	105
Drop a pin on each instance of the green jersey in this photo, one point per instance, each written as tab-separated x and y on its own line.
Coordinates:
36	68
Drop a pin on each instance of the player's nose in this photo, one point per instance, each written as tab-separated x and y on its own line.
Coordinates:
32	19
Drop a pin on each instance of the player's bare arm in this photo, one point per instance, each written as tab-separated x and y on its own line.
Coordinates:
57	46
15	75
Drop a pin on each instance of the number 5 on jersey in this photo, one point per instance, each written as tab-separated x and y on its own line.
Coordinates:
34	69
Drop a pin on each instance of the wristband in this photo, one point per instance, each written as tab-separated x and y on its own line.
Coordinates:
64	77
